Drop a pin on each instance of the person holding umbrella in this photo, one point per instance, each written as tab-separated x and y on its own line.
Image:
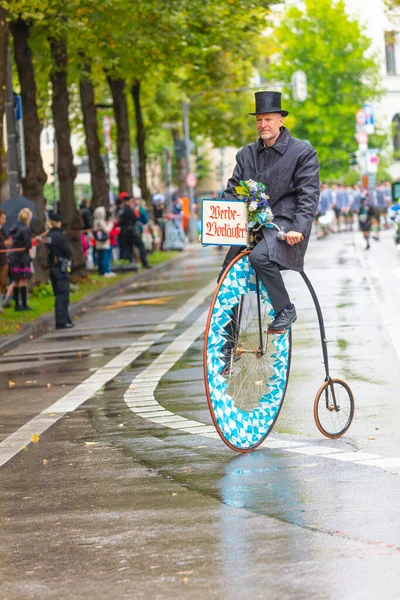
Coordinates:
20	258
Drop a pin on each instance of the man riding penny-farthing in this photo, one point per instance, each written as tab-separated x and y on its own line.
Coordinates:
247	348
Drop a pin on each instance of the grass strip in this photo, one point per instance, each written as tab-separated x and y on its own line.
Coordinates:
11	321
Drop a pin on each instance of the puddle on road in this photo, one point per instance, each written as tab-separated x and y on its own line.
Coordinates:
146	302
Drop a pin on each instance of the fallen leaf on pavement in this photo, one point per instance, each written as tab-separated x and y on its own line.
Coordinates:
35	438
90	443
79	353
186	579
121	424
372	438
49	385
11	384
184	572
45	461
174	493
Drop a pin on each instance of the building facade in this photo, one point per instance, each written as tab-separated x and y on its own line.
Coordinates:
382	26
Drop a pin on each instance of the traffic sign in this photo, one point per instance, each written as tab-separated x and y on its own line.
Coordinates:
299	85
180	148
373	160
362	137
370	120
361	117
191	180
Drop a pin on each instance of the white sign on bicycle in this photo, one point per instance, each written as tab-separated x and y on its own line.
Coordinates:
224	223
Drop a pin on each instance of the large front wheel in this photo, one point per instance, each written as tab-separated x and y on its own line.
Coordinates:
245	371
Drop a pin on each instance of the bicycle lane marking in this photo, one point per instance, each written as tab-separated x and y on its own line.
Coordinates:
16	441
384	301
140	398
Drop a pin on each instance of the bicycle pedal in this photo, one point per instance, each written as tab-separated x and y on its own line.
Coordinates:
275	331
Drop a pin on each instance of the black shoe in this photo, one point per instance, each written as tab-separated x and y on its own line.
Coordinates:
147	266
283	320
25	308
7	302
66	326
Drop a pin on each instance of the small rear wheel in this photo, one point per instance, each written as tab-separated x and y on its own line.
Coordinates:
334	408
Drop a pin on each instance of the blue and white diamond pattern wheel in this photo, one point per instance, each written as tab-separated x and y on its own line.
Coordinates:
245	383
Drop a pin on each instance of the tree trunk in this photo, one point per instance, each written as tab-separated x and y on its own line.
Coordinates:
66	168
180	168
96	164
141	142
3	77
33	183
117	87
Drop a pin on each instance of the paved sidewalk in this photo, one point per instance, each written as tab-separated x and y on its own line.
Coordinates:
45	323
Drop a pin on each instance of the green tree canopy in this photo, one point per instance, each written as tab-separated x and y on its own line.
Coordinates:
330	46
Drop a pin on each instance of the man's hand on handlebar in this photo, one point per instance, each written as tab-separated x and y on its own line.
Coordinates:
294	237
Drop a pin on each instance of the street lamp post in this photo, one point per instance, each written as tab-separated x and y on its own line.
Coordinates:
186	133
12	152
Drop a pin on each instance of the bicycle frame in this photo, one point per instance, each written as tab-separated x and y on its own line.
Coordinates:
324	341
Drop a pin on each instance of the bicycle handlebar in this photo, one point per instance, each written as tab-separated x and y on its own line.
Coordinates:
281	234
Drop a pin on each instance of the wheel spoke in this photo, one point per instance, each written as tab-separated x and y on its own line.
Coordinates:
245	387
334	423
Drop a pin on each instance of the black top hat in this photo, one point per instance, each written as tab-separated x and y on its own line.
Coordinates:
269	102
55	217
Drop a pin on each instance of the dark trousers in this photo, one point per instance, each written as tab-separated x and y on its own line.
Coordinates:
60	284
127	250
267	270
138	242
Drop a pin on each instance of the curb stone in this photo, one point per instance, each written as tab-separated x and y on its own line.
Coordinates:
45	323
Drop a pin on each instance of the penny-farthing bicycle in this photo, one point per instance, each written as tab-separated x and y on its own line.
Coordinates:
246	370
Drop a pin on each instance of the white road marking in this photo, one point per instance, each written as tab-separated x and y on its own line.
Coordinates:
383	301
147	381
314	450
351	456
14	443
277	444
384	463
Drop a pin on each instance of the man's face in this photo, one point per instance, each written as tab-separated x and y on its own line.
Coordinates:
268	126
3	219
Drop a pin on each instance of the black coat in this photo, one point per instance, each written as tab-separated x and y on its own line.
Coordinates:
57	246
127	222
3	238
21	238
290	171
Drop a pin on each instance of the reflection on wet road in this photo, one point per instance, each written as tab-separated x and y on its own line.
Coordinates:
132	484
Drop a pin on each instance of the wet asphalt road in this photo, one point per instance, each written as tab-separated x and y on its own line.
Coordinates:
113	501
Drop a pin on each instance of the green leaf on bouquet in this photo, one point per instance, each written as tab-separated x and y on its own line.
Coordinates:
241	190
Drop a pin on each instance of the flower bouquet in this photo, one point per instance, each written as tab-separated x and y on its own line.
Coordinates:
254	194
